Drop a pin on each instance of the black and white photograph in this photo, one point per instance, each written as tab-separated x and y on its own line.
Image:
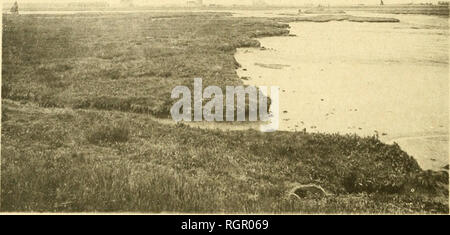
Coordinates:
215	107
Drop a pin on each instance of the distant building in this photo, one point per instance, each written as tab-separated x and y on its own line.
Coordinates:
381	2
86	5
444	3
127	3
194	3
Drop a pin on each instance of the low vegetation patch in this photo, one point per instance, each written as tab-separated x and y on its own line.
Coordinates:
85	160
342	17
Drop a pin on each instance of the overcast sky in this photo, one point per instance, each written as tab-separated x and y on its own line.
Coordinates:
228	2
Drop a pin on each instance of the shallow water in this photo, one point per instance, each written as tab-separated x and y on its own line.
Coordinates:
389	79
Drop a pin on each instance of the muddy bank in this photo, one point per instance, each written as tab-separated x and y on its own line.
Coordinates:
321	11
349	18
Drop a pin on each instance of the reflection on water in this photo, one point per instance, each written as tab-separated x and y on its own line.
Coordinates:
364	78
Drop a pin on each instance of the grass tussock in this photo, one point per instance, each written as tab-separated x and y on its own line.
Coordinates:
108	134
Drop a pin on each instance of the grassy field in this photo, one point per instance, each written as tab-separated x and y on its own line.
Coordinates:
122	62
80	95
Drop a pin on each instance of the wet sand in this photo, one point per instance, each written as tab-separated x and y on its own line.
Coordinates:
385	79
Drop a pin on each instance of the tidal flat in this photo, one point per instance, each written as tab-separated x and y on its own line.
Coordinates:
391	81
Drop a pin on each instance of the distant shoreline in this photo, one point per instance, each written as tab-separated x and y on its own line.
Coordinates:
441	10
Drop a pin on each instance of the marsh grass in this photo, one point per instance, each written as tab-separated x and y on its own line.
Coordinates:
85	160
110	134
102	62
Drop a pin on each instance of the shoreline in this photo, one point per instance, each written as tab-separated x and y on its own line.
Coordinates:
388	139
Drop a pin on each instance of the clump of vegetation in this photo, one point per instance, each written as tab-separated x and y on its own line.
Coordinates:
343	17
108	134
